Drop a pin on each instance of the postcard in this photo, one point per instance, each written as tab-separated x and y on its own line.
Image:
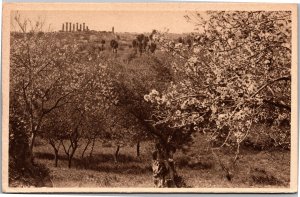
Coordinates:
149	97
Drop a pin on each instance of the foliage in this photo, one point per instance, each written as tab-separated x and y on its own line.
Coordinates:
114	45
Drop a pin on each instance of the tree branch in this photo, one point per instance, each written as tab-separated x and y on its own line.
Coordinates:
57	103
284	78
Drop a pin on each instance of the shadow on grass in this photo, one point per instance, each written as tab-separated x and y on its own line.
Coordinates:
202	164
95	158
46	156
104	163
120	167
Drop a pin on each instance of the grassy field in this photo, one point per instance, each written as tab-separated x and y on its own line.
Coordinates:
254	169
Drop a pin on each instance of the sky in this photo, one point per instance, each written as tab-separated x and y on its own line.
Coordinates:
123	21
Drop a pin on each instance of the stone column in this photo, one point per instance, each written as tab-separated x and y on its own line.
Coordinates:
70	26
73	27
83	29
77	27
80	27
63	27
67	27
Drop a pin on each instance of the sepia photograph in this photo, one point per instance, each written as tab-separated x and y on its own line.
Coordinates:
149	97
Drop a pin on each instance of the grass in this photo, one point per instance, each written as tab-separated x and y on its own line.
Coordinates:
254	169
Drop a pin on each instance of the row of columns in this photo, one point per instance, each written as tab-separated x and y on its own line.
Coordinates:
72	27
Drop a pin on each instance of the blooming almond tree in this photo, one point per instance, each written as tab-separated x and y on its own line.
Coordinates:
82	117
39	69
235	74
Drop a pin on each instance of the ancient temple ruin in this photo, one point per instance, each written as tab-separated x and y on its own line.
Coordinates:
72	27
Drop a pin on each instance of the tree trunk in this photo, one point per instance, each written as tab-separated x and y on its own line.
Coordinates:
117	154
85	148
70	162
52	143
138	149
55	157
93	145
71	157
171	167
32	141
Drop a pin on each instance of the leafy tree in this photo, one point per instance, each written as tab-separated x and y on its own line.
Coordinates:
142	43
135	45
180	40
123	129
152	47
114	45
152	35
102	45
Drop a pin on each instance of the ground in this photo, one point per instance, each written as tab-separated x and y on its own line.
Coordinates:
254	169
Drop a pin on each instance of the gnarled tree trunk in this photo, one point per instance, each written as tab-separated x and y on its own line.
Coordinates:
169	162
